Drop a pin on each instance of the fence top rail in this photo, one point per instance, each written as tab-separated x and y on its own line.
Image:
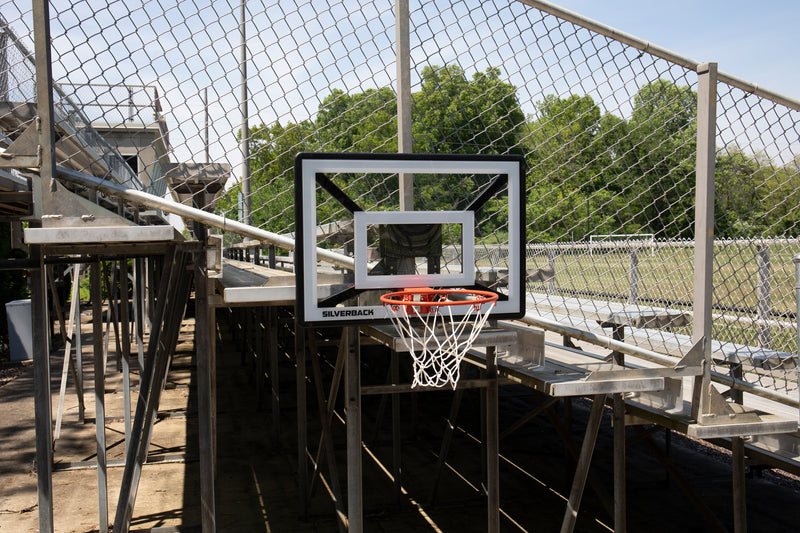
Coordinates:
658	51
647	243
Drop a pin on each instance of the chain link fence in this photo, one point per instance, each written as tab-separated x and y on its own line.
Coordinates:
608	129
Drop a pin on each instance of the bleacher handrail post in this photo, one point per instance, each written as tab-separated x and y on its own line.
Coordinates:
704	229
763	292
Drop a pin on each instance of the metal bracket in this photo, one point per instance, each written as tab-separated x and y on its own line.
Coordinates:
528	350
214	256
723	412
25	151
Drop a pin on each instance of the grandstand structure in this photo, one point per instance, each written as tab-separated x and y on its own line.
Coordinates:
152	150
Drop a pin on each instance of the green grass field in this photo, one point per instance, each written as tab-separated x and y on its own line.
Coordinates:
666	274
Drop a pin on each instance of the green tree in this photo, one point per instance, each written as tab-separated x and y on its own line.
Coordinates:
658	157
363	122
737	201
574	185
779	188
452	114
272	151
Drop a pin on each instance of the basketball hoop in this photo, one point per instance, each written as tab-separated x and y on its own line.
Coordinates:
443	337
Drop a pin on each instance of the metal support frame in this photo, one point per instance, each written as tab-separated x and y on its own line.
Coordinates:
355	511
205	349
302	418
73	329
584	460
704	229
797	300
173	291
326	439
41	353
620	498
126	349
99	393
492	443
41	380
274	381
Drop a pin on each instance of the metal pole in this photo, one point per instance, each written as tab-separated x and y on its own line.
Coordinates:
704	228
42	405
584	460
620	492
130	104
205	345
244	141
3	66
353	399
404	138
205	106
41	354
763	290
126	349
99	394
797	299
302	417
739	494
492	443
633	277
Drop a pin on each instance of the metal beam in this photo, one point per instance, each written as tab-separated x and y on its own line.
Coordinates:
355	510
99	394
704	230
41	353
585	459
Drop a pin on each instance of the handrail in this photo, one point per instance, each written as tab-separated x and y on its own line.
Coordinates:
649	355
192	213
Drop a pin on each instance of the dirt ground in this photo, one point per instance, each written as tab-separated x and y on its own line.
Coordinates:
257	480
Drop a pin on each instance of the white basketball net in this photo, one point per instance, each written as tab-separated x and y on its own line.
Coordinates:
439	345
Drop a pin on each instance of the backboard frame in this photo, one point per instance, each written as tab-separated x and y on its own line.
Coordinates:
310	165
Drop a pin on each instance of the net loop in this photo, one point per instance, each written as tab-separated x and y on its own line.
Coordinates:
438	327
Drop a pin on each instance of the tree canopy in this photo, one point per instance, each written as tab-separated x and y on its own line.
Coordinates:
589	171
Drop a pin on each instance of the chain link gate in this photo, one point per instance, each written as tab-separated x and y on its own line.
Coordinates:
608	128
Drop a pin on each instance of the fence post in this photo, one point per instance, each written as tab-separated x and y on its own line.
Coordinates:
244	142
704	229
404	139
633	277
551	266
797	314
763	290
